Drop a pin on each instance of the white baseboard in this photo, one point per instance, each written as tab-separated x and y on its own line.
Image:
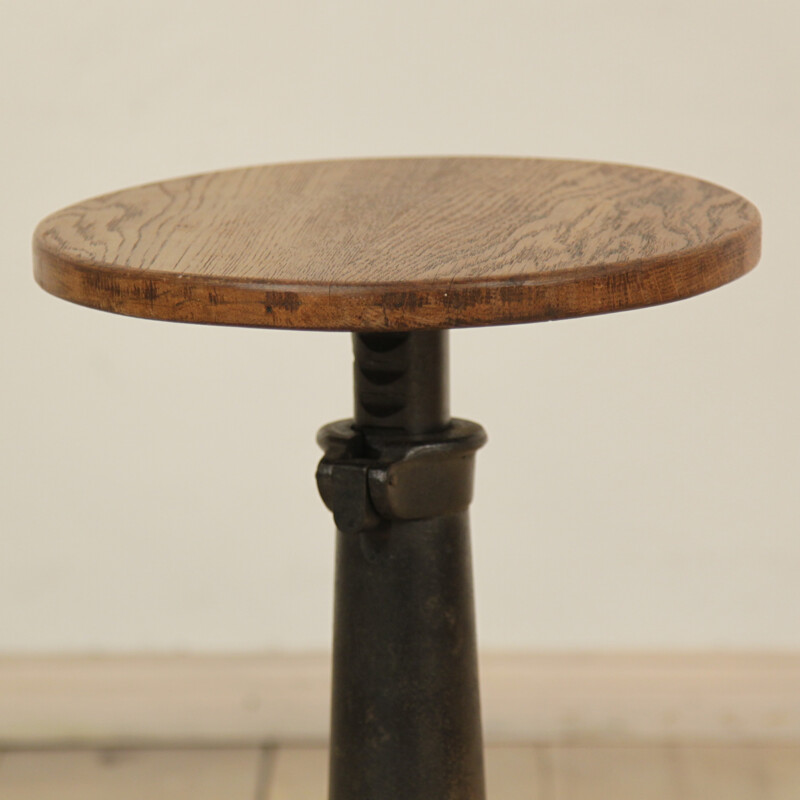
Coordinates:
200	699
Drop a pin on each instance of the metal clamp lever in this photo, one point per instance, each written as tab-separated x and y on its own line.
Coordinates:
368	477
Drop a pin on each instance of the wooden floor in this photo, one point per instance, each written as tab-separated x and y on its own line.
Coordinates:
676	772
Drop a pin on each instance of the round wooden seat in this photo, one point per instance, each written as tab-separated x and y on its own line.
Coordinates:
398	244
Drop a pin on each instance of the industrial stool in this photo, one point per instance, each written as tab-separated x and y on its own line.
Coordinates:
397	251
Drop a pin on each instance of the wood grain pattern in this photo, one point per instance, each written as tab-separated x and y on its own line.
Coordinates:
552	772
512	773
169	774
557	772
733	773
515	773
204	699
299	773
622	773
398	244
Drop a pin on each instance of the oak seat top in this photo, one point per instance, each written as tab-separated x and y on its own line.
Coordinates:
398	244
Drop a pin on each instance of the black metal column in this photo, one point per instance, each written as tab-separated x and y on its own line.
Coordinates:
405	714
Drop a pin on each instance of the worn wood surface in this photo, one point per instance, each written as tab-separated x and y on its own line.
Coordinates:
169	774
598	698
398	244
551	772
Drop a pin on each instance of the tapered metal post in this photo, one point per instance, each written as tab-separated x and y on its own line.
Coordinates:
405	719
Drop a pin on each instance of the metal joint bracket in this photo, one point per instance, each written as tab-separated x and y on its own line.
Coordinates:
367	477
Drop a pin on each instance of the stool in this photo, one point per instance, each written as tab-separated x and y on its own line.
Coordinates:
398	251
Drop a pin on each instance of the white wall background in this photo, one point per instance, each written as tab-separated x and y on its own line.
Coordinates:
640	489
